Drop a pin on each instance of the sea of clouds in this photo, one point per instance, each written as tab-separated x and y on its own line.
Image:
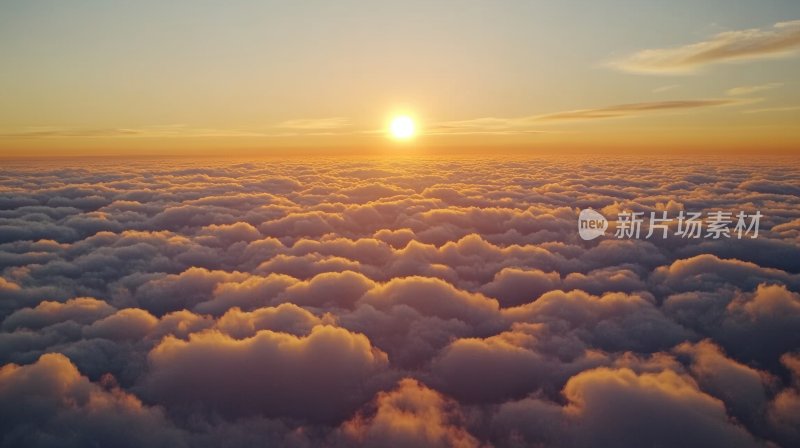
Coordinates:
428	302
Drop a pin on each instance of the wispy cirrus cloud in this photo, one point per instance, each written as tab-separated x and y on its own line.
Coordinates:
315	123
666	88
485	126
529	124
772	109
782	39
297	127
746	90
168	130
634	109
69	132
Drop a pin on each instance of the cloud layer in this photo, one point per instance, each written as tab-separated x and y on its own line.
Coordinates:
430	302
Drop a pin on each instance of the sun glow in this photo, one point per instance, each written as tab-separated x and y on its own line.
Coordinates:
402	127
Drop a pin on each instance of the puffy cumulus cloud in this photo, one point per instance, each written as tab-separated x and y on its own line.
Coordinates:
106	256
181	324
319	377
513	286
49	403
620	407
13	296
412	415
614	321
433	297
743	389
309	224
758	325
306	266
778	253
216	303
398	239
175	292
784	410
409	337
372	191
329	290
769	302
250	293
130	323
709	272
763	323
227	234
602	280
512	364
80	310
286	318
368	251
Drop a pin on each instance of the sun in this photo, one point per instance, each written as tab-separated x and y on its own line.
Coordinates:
402	127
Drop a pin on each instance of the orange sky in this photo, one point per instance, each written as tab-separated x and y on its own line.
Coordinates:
264	79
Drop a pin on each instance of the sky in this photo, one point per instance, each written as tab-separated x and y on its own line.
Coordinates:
201	77
374	224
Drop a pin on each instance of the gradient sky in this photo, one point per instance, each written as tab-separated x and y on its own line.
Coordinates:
113	77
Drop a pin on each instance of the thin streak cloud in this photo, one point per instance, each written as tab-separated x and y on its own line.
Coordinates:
772	109
299	127
634	109
747	90
526	125
666	88
315	123
160	131
485	126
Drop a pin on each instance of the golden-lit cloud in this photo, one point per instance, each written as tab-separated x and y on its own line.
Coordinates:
634	109
410	415
534	124
155	131
782	39
35	132
315	124
747	90
270	373
666	88
484	125
772	109
298	127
